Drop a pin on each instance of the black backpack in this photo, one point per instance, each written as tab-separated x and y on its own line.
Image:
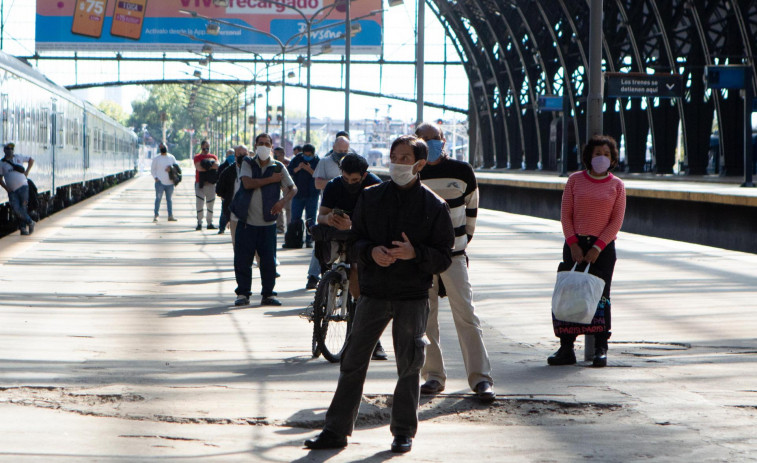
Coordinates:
33	203
293	236
175	174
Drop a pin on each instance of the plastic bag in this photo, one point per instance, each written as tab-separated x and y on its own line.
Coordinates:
576	295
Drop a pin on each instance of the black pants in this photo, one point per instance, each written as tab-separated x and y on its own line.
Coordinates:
603	268
408	328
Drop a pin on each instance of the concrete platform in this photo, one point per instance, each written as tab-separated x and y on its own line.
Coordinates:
119	342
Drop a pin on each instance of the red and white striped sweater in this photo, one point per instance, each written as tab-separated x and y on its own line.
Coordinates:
593	207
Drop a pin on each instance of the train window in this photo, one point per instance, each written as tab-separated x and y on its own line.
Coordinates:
44	127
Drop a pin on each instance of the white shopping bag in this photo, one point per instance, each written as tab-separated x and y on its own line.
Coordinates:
576	296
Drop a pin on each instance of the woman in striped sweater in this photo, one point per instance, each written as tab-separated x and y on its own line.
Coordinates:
593	206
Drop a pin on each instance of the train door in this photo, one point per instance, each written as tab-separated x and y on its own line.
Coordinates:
85	144
4	109
53	138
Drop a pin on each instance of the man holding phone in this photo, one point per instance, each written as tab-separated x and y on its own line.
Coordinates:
339	199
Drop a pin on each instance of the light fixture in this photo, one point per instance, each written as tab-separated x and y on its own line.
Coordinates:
355	28
212	29
396	3
207	49
326	48
223	3
203	62
291	74
197	74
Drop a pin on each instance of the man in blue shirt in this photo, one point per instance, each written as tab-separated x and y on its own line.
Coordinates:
301	168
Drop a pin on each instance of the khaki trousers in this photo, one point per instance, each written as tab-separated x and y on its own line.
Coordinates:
469	333
206	197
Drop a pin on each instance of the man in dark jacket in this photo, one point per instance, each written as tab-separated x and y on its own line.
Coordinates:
405	237
227	177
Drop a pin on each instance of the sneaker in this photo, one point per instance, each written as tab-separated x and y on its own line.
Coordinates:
199	226
24	231
155	219
312	282
379	353
270	300
31	227
172	219
242	300
211	226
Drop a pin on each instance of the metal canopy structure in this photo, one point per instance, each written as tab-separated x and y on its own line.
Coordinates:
517	50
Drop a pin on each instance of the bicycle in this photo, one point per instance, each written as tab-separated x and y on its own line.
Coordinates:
333	307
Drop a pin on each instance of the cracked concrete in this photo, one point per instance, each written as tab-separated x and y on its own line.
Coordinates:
120	343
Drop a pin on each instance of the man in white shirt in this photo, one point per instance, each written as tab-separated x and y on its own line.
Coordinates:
13	180
161	165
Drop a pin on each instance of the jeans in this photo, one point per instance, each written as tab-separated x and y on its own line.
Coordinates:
224	220
159	190
249	240
310	206
371	317
18	200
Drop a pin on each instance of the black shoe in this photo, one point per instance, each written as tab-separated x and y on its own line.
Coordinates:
220	231
431	386
326	440
199	226
379	353
312	282
211	226
484	392
600	357
308	244
270	300
402	444
564	356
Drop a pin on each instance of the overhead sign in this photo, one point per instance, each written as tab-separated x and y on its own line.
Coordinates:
550	103
181	25
637	84
733	77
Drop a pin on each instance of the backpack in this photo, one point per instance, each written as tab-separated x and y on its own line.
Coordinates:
293	236
33	203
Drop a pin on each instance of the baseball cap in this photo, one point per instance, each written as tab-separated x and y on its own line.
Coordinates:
10	145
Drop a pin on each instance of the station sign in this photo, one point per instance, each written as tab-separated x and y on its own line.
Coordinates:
726	77
181	25
550	103
637	84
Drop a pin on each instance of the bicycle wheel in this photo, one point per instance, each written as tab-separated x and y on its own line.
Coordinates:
332	318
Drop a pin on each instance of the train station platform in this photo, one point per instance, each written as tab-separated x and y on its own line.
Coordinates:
119	342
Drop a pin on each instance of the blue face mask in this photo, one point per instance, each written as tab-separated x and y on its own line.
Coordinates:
308	158
230	159
434	149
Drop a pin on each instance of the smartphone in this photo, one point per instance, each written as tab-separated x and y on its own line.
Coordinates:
128	19
340	212
89	17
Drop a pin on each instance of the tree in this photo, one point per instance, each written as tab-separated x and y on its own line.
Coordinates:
114	111
182	112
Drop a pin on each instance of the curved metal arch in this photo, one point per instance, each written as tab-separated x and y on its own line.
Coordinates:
473	69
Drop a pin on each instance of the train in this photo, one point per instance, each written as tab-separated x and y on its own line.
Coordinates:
78	150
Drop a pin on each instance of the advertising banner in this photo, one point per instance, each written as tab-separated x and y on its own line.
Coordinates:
182	25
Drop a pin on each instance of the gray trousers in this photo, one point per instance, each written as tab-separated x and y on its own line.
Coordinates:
371	318
205	198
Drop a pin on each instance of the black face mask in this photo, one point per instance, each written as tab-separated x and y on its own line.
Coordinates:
352	188
338	156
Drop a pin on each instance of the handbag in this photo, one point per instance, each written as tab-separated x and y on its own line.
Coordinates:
576	295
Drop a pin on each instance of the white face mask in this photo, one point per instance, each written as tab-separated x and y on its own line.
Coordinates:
600	164
263	152
402	174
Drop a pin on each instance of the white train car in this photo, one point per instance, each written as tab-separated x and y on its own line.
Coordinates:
77	149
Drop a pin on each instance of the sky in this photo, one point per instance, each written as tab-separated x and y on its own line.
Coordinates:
399	44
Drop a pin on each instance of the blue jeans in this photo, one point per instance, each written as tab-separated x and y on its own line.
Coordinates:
310	206
248	240
18	200
159	189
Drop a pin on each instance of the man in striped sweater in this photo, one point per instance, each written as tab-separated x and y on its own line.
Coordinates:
455	182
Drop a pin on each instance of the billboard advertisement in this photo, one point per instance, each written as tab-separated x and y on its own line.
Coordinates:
181	25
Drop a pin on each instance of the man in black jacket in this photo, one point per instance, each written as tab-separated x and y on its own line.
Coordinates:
225	186
405	237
